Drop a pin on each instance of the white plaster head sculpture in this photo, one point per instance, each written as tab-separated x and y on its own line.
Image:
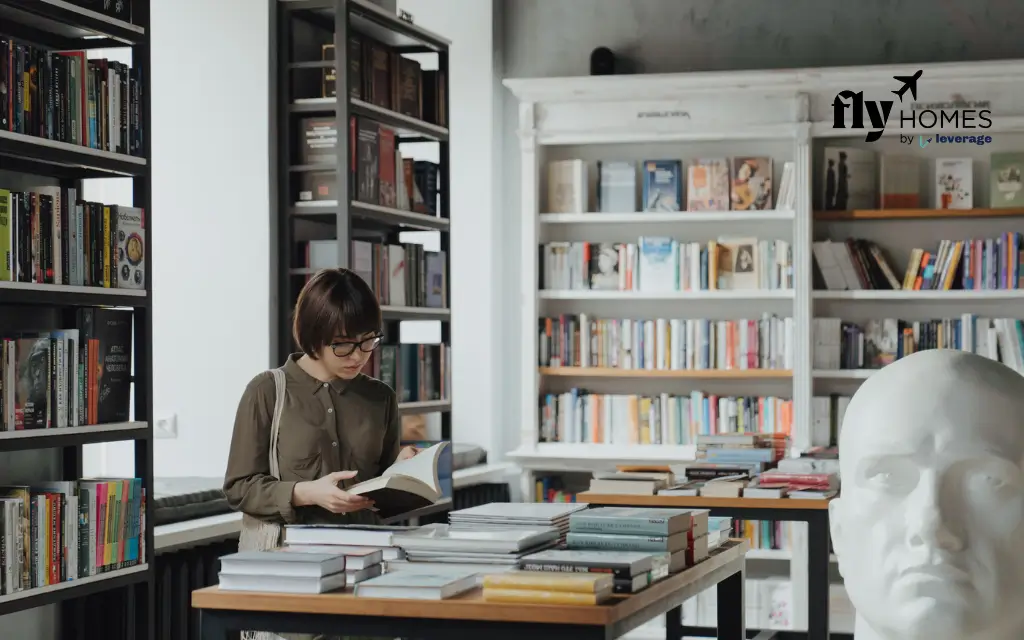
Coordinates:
929	528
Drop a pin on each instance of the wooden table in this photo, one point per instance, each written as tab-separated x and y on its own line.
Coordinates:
813	512
469	617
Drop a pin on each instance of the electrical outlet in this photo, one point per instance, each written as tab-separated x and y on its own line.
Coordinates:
166	427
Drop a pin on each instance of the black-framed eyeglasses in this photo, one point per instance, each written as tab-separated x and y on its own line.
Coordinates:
367	345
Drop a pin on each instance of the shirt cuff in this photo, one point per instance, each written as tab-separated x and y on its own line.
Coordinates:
283	499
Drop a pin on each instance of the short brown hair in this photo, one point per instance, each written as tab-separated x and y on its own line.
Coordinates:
334	302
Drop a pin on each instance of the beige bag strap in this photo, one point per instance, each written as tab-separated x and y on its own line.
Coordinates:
275	425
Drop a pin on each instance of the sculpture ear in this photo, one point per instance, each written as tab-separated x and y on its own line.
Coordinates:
835	523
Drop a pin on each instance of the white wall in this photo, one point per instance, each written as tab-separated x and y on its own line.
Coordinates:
210	227
475	113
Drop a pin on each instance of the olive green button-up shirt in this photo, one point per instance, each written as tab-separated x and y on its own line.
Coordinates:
343	425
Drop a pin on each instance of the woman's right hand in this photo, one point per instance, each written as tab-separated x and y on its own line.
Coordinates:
325	493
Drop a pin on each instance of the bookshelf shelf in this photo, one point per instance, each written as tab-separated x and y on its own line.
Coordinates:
955	295
55	593
414	313
60	294
843	374
72	436
689	374
591	294
915	214
70	24
57	171
429	406
380	172
68	160
676	217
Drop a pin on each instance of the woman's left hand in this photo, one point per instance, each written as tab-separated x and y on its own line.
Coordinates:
407	453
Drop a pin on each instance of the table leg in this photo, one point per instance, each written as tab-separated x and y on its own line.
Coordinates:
817	576
211	627
731	608
674	623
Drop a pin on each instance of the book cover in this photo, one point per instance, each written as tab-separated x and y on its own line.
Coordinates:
850	179
707	186
631	520
111	329
1005	181
662	185
604	266
367	160
616	186
954	183
386	173
658	270
738	264
751	183
131	248
623	565
901	182
567	186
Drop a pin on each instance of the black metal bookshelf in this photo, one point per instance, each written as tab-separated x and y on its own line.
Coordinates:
60	25
299	28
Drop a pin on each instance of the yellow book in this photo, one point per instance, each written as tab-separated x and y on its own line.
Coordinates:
537	596
588	583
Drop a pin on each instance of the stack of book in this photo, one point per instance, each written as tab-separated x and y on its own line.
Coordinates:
679	535
439	584
531	516
548	588
470	550
282	572
718	531
631	571
361	563
367	538
644	483
778	484
726	463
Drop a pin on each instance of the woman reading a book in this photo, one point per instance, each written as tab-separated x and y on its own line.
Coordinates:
334	427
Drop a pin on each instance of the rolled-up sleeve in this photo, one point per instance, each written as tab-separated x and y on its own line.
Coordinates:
392	432
248	485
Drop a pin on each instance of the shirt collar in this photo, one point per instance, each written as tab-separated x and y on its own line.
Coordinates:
299	376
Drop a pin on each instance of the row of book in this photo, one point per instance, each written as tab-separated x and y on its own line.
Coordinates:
417	372
711	184
61	531
382	76
66	97
840	344
402	275
974	265
857	178
378	175
662	264
50	236
577	416
68	378
666	344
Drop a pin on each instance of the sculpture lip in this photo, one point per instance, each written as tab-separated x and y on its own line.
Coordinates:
942	571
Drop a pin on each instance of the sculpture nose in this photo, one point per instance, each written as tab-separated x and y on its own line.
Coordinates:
928	517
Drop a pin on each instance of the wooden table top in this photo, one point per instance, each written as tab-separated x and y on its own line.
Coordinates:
660	596
697	502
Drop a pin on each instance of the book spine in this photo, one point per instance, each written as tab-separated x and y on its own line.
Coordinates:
625	525
619	572
603	541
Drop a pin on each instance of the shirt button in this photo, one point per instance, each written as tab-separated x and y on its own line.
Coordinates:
334	444
330	411
326	385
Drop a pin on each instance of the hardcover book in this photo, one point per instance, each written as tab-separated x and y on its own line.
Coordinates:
131	248
708	185
901	182
367	160
954	183
616	186
406	485
850	179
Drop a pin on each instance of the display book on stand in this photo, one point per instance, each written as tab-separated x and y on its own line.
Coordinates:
517	552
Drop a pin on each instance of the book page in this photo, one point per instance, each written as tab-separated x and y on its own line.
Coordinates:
422	466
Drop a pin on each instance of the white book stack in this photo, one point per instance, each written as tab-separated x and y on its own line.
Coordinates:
273	571
361	563
372	537
482	547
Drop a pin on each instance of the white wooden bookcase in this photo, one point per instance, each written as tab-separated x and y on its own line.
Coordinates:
787	115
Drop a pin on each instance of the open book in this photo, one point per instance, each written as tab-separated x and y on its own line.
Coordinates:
406	485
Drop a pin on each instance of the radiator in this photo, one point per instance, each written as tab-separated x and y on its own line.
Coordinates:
110	615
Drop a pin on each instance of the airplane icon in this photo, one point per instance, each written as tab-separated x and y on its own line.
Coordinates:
909	82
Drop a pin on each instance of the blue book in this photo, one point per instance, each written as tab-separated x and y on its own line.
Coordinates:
663	185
